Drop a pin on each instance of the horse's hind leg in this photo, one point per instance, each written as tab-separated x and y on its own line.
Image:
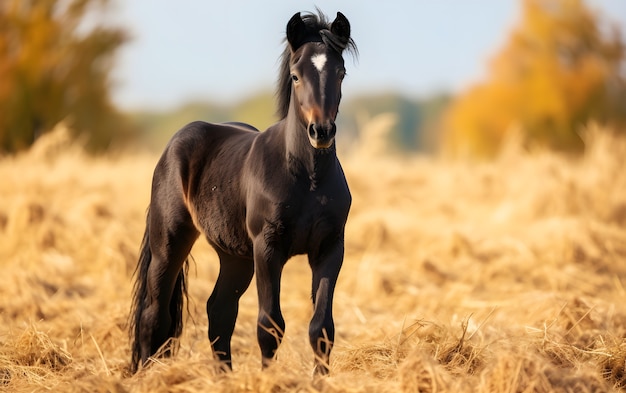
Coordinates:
171	238
223	304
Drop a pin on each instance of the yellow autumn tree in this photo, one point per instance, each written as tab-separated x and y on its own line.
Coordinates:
560	68
55	65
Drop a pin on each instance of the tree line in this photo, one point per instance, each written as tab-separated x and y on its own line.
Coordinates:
559	69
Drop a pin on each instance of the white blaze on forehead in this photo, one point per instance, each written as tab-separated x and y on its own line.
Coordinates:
319	61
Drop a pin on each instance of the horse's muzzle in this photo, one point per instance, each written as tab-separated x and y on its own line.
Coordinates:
322	136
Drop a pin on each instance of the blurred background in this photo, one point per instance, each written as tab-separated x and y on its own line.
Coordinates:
453	78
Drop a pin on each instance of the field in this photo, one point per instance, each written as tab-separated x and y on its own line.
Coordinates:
500	276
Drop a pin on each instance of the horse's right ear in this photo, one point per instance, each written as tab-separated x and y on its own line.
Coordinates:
296	31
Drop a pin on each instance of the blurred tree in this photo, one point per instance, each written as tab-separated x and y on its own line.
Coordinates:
559	69
55	64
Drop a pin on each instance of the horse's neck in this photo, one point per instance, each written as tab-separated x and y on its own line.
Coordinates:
302	158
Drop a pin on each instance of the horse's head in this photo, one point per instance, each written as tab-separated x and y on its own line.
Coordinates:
316	71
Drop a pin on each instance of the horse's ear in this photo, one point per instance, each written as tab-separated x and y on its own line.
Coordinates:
296	31
341	27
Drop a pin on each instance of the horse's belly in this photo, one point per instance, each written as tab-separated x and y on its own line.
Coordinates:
231	242
224	228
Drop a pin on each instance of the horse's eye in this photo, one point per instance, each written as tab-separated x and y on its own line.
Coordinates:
295	78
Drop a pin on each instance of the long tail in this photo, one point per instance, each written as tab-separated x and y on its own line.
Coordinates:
140	292
140	302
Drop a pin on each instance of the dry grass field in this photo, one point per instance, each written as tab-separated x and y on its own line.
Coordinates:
502	276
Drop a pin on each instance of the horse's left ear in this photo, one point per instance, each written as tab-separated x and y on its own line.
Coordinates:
341	27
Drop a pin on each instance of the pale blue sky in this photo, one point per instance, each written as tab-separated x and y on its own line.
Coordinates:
225	51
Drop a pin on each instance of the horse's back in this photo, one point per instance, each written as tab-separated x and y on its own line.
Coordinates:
202	137
241	125
199	144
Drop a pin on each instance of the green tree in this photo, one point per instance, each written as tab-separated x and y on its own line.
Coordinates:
559	69
55	65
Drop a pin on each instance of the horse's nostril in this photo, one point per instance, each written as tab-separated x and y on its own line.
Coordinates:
333	130
322	132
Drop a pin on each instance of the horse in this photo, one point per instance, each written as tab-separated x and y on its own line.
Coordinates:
258	198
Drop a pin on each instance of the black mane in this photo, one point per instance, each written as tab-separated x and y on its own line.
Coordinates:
318	30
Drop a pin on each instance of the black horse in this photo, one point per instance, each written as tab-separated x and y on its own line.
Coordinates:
259	198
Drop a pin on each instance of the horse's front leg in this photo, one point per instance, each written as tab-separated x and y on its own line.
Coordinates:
268	262
325	266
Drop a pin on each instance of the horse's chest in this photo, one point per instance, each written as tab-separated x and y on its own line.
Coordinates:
308	223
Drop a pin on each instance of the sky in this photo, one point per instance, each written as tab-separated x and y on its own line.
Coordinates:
226	51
